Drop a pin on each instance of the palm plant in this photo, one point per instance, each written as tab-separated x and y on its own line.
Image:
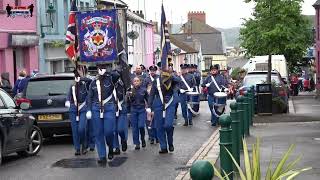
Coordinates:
252	170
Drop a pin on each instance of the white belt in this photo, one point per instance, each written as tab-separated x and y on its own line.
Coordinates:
166	106
82	105
107	100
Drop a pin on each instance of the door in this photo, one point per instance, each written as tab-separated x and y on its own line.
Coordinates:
16	123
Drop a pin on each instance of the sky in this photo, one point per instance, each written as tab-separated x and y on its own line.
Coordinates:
220	13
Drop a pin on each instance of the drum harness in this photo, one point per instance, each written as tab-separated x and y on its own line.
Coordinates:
189	90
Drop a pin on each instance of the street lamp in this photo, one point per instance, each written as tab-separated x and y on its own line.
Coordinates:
49	11
157	52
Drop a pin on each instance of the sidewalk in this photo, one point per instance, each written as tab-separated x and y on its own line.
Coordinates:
277	133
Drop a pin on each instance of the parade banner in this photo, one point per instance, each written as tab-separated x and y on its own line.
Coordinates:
97	36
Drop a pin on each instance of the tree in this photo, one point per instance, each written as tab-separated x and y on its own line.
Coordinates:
277	27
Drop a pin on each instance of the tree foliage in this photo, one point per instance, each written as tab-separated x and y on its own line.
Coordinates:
277	27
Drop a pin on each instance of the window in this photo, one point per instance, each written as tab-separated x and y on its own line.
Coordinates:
81	5
17	2
7	100
54	18
57	86
87	5
207	62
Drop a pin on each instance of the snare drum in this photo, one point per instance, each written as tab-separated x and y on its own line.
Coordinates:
220	98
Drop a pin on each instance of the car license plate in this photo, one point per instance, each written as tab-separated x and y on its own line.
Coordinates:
50	117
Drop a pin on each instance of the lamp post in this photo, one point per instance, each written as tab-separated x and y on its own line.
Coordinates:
157	53
49	11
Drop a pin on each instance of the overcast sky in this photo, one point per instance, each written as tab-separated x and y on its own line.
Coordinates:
220	13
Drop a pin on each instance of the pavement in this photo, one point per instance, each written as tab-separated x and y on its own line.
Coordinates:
300	127
56	161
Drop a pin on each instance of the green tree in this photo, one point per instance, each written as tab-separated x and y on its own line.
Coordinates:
277	27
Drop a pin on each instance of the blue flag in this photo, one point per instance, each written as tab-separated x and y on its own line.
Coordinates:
165	40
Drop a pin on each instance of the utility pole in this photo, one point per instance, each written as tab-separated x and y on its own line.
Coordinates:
270	53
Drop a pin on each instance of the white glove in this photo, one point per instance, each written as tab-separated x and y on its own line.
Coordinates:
208	84
182	91
226	90
67	104
89	115
148	110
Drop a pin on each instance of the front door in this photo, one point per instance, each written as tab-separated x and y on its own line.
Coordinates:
18	61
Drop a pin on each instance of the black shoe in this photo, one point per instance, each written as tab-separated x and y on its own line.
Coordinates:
157	141
124	146
102	161
152	141
110	155
163	151
190	123
143	144
77	153
137	147
185	124
91	149
171	148
84	151
213	125
116	151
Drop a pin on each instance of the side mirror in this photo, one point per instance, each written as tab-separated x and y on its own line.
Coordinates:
24	105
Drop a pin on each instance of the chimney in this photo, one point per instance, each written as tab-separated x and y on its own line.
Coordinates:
189	29
197	15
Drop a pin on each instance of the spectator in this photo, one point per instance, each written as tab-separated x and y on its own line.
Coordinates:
21	83
5	83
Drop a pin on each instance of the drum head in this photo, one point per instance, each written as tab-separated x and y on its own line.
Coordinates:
220	94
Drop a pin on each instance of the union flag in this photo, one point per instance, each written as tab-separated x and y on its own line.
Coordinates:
71	43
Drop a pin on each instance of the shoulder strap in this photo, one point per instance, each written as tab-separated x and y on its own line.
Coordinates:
215	83
185	82
159	90
152	79
74	95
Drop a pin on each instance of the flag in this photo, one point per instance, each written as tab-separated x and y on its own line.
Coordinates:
122	55
165	41
71	43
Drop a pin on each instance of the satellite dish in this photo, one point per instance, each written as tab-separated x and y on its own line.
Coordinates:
133	35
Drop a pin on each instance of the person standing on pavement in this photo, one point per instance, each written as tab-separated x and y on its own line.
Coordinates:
5	83
76	102
164	99
102	110
152	131
21	83
137	98
187	84
121	119
215	83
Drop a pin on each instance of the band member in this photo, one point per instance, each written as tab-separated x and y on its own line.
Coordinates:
215	83
186	84
152	131
164	99
139	73
102	106
76	102
121	118
137	98
197	77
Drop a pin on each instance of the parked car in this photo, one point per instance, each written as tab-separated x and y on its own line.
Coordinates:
48	95
18	130
259	77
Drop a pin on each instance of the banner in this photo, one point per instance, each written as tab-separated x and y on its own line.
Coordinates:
97	36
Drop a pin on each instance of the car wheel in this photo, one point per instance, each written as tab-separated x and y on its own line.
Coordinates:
35	145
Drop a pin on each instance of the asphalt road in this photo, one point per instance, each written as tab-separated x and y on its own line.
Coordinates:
57	162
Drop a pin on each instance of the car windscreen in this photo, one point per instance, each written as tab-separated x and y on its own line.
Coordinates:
48	87
253	80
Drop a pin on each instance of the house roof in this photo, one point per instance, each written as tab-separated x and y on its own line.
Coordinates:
117	2
317	4
199	27
211	43
133	17
180	44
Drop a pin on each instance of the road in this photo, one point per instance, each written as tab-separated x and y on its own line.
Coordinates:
57	162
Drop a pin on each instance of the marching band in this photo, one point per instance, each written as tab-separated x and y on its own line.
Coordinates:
99	108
